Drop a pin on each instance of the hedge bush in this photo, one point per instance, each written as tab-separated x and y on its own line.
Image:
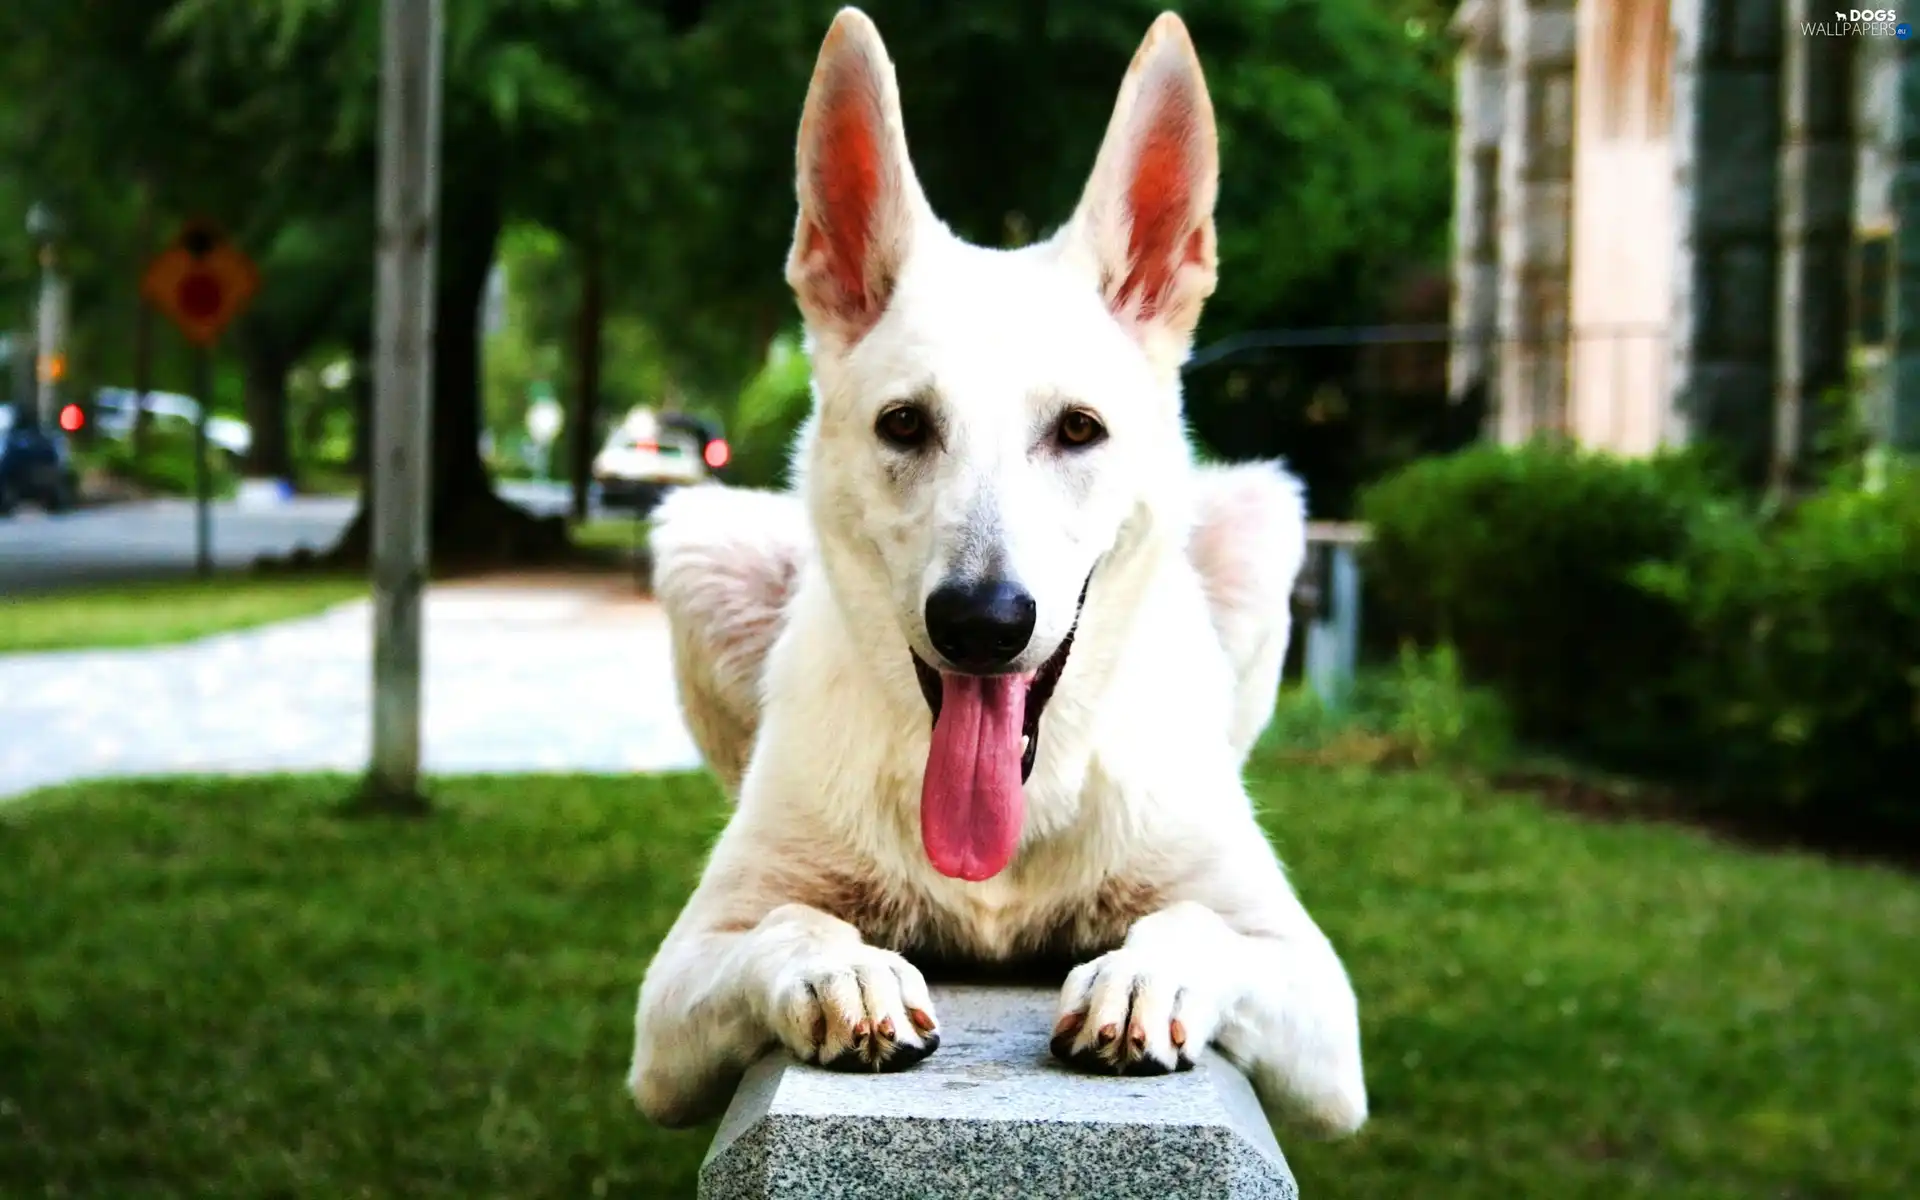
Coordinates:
1639	611
1525	561
165	463
1805	671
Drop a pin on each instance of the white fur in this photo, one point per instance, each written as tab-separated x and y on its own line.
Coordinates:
1140	854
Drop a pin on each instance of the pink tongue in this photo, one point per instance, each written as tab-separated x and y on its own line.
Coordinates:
970	802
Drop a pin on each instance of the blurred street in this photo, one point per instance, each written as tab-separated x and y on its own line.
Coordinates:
506	670
153	539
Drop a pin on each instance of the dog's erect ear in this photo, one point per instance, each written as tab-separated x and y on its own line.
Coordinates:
1145	222
859	200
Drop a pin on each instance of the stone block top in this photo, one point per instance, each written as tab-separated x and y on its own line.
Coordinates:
992	1114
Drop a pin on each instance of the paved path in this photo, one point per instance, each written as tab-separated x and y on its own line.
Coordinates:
522	678
154	539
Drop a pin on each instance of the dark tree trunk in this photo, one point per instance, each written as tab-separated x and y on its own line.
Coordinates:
264	370
469	527
469	230
583	425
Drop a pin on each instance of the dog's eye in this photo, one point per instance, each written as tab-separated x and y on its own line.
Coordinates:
903	426
1078	429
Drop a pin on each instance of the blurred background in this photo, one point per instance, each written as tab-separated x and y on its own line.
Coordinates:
617	182
1587	324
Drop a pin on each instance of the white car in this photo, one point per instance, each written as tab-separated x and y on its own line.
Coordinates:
114	409
648	455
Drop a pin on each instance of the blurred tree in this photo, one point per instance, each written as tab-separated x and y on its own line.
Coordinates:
264	112
114	127
1335	127
322	290
657	137
528	350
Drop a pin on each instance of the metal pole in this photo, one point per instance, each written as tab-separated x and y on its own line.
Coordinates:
403	359
50	316
202	478
51	343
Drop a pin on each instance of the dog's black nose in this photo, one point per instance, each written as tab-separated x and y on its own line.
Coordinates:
980	626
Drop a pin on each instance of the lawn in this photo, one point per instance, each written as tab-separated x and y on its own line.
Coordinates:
223	990
624	535
155	614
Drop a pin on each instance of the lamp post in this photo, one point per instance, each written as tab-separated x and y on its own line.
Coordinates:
409	208
50	334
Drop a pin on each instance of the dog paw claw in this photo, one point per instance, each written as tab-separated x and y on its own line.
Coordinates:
881	1055
861	1010
1122	1016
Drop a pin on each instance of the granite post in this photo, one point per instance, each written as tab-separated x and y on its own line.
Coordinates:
992	1115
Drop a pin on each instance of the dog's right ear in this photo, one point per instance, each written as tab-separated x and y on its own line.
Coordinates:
859	199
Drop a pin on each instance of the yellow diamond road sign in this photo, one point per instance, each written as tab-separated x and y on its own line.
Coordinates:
201	282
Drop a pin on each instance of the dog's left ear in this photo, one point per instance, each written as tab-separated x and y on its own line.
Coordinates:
1144	226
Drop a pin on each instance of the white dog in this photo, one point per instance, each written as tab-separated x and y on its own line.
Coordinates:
983	690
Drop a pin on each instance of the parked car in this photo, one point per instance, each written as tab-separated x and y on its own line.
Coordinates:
36	466
114	411
649	454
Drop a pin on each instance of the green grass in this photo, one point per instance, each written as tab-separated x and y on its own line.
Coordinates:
621	534
155	614
328	479
223	990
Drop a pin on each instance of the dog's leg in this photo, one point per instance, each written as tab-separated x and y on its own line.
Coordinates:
1248	544
743	970
724	564
1266	988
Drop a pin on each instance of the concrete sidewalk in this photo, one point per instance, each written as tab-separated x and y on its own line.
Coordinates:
519	678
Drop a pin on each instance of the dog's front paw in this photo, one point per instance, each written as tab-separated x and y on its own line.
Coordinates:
857	1008
1123	1014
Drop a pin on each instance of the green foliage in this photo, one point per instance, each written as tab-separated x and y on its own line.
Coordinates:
1427	705
1420	712
770	411
532	352
1804	667
1524	560
635	369
321	416
1633	610
529	350
165	466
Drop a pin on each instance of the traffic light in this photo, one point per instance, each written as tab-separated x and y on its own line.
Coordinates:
53	368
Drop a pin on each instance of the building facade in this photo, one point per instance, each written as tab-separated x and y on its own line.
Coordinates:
1681	219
